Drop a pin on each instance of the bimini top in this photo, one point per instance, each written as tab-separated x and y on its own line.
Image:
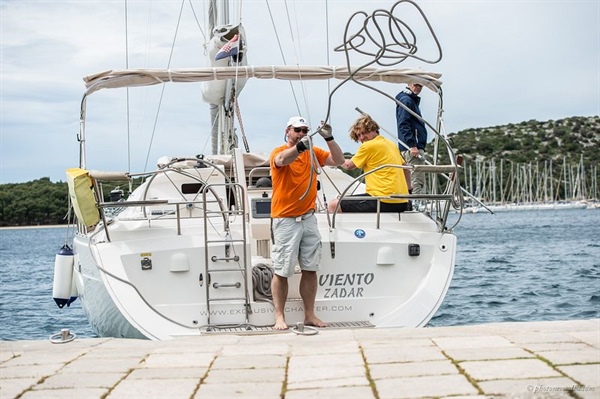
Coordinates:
146	77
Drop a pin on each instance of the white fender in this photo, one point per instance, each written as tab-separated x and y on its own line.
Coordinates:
74	292
63	276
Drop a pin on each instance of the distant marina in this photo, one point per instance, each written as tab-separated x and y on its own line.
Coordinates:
490	185
541	206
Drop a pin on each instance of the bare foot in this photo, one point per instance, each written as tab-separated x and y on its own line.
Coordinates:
280	324
315	321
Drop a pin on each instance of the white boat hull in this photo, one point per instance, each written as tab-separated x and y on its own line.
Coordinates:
371	279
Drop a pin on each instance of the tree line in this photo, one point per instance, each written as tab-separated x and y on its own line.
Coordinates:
38	202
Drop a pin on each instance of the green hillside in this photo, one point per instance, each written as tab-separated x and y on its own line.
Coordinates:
539	159
533	141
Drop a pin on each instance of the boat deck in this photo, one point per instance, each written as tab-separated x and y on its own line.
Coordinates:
299	328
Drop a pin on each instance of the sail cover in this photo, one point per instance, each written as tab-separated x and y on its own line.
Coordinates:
146	77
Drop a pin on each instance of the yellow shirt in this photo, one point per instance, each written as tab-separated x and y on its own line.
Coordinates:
374	153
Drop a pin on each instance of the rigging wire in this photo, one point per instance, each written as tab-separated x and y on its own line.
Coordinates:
328	88
234	97
314	164
205	40
163	86
127	91
402	46
197	22
282	54
327	43
297	57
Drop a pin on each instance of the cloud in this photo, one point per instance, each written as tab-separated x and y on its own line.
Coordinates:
503	62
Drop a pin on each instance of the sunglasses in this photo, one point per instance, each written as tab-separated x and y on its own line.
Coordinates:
301	129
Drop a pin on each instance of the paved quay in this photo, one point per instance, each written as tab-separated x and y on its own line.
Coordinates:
557	359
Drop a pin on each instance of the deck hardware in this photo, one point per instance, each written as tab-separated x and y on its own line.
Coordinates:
146	263
236	285
385	256
64	336
235	258
301	329
414	250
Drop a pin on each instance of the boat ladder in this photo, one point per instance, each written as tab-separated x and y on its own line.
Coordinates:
226	261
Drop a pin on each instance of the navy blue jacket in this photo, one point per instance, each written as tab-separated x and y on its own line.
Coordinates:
411	130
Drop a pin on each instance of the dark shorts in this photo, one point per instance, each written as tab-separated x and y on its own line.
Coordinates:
367	205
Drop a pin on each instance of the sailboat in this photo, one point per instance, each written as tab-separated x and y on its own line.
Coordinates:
185	250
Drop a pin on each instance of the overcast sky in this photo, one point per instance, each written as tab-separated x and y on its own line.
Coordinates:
503	62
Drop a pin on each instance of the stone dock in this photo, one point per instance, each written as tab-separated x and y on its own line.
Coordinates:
557	359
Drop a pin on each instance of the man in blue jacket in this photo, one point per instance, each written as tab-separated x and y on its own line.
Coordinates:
412	132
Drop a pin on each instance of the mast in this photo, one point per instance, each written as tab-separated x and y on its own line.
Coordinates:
225	48
565	177
213	16
552	199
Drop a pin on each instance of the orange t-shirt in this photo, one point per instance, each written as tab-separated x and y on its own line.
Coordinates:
290	182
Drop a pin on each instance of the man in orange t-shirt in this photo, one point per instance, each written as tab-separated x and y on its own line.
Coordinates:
296	237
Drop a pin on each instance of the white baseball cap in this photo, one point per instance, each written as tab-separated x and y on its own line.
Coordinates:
297	121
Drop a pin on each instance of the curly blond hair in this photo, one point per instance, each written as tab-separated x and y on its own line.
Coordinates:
363	124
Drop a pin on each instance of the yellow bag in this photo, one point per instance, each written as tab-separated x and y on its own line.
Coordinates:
82	196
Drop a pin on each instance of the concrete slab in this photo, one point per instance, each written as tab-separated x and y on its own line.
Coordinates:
76	393
428	386
89	380
412	369
518	360
508	369
263	390
173	388
354	392
527	387
560	357
497	353
584	374
398	354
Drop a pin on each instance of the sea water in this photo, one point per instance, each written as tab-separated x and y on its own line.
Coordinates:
524	266
510	266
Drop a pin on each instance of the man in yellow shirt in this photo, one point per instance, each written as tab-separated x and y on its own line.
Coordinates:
375	151
296	237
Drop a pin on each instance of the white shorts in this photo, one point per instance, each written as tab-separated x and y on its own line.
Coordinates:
296	242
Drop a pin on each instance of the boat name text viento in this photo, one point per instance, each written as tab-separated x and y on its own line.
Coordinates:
355	280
